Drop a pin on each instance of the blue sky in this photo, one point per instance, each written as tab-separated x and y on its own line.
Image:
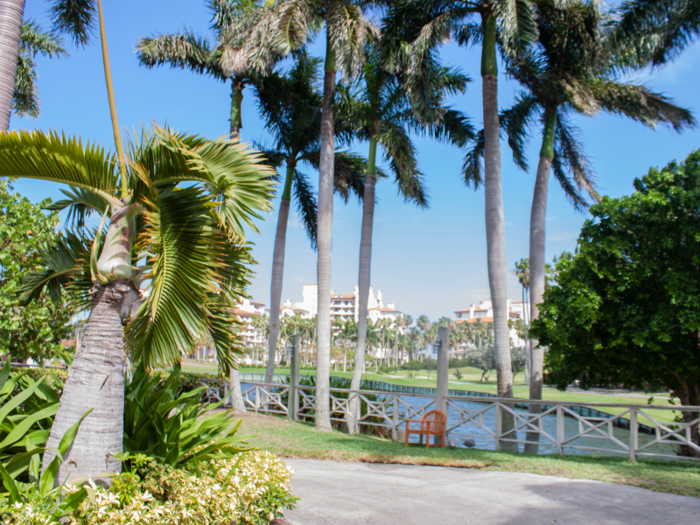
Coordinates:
429	262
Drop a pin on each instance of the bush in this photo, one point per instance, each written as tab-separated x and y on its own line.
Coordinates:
250	487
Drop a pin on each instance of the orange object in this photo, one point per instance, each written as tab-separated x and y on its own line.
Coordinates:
432	424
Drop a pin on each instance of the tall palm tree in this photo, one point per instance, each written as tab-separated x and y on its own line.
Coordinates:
289	24
290	105
74	17
510	23
176	208
383	113
571	71
222	61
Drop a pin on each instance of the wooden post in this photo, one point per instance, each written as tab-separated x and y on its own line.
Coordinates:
561	430
634	434
293	401
442	368
395	420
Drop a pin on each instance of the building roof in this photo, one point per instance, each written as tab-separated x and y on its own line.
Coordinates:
245	313
257	304
386	310
475	309
462	311
343	296
293	308
475	319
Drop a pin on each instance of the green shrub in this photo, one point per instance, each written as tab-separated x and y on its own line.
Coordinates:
172	426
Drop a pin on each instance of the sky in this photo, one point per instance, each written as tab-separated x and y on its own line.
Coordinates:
430	262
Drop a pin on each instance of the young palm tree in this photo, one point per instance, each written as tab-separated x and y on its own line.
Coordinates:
383	114
74	17
291	108
289	25
175	207
571	71
510	23
223	61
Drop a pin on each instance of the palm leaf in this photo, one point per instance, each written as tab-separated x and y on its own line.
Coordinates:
81	203
183	51
74	17
307	206
54	157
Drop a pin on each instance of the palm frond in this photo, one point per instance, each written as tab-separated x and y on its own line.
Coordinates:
516	23
184	51
66	270
641	104
473	167
349	175
80	203
515	121
185	251
35	41
307	206
242	184
348	31
74	17
401	155
570	153
56	158
25	99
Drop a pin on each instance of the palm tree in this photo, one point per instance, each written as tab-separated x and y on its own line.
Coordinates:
176	206
571	71
33	41
383	113
510	23
223	61
72	17
291	108
289	25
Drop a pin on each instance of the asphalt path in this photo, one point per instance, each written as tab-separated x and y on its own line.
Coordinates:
361	493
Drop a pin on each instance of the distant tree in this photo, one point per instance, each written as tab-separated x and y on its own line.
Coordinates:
626	309
35	330
484	360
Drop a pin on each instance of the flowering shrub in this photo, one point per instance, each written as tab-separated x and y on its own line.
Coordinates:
247	488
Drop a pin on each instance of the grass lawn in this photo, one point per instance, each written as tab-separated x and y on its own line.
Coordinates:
519	390
299	440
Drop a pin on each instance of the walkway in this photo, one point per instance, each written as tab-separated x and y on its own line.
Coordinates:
376	494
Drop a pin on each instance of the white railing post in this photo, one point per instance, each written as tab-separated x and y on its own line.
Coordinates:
292	400
442	369
634	434
499	426
561	430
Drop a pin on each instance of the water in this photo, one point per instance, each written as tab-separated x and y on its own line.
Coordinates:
485	441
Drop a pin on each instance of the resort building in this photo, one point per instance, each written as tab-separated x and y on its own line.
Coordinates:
343	305
245	312
484	313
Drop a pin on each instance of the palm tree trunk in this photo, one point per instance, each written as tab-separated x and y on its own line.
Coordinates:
278	271
237	402
236	115
95	381
345	356
495	228
364	278
538	216
325	235
11	14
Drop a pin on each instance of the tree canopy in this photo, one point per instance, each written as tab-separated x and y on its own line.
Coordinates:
626	307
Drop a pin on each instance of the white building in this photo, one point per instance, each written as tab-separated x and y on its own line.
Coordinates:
346	306
245	312
484	312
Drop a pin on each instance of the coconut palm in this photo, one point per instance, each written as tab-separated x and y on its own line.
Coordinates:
175	207
571	71
221	61
290	105
289	24
74	17
511	24
383	114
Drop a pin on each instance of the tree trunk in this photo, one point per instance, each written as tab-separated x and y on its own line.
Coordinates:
325	235
278	272
236	115
495	228
11	14
237	402
364	279
95	381
345	356
538	217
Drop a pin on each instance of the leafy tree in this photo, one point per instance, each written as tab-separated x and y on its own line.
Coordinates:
626	309
35	330
176	207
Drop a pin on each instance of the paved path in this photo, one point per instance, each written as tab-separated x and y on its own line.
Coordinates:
361	493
